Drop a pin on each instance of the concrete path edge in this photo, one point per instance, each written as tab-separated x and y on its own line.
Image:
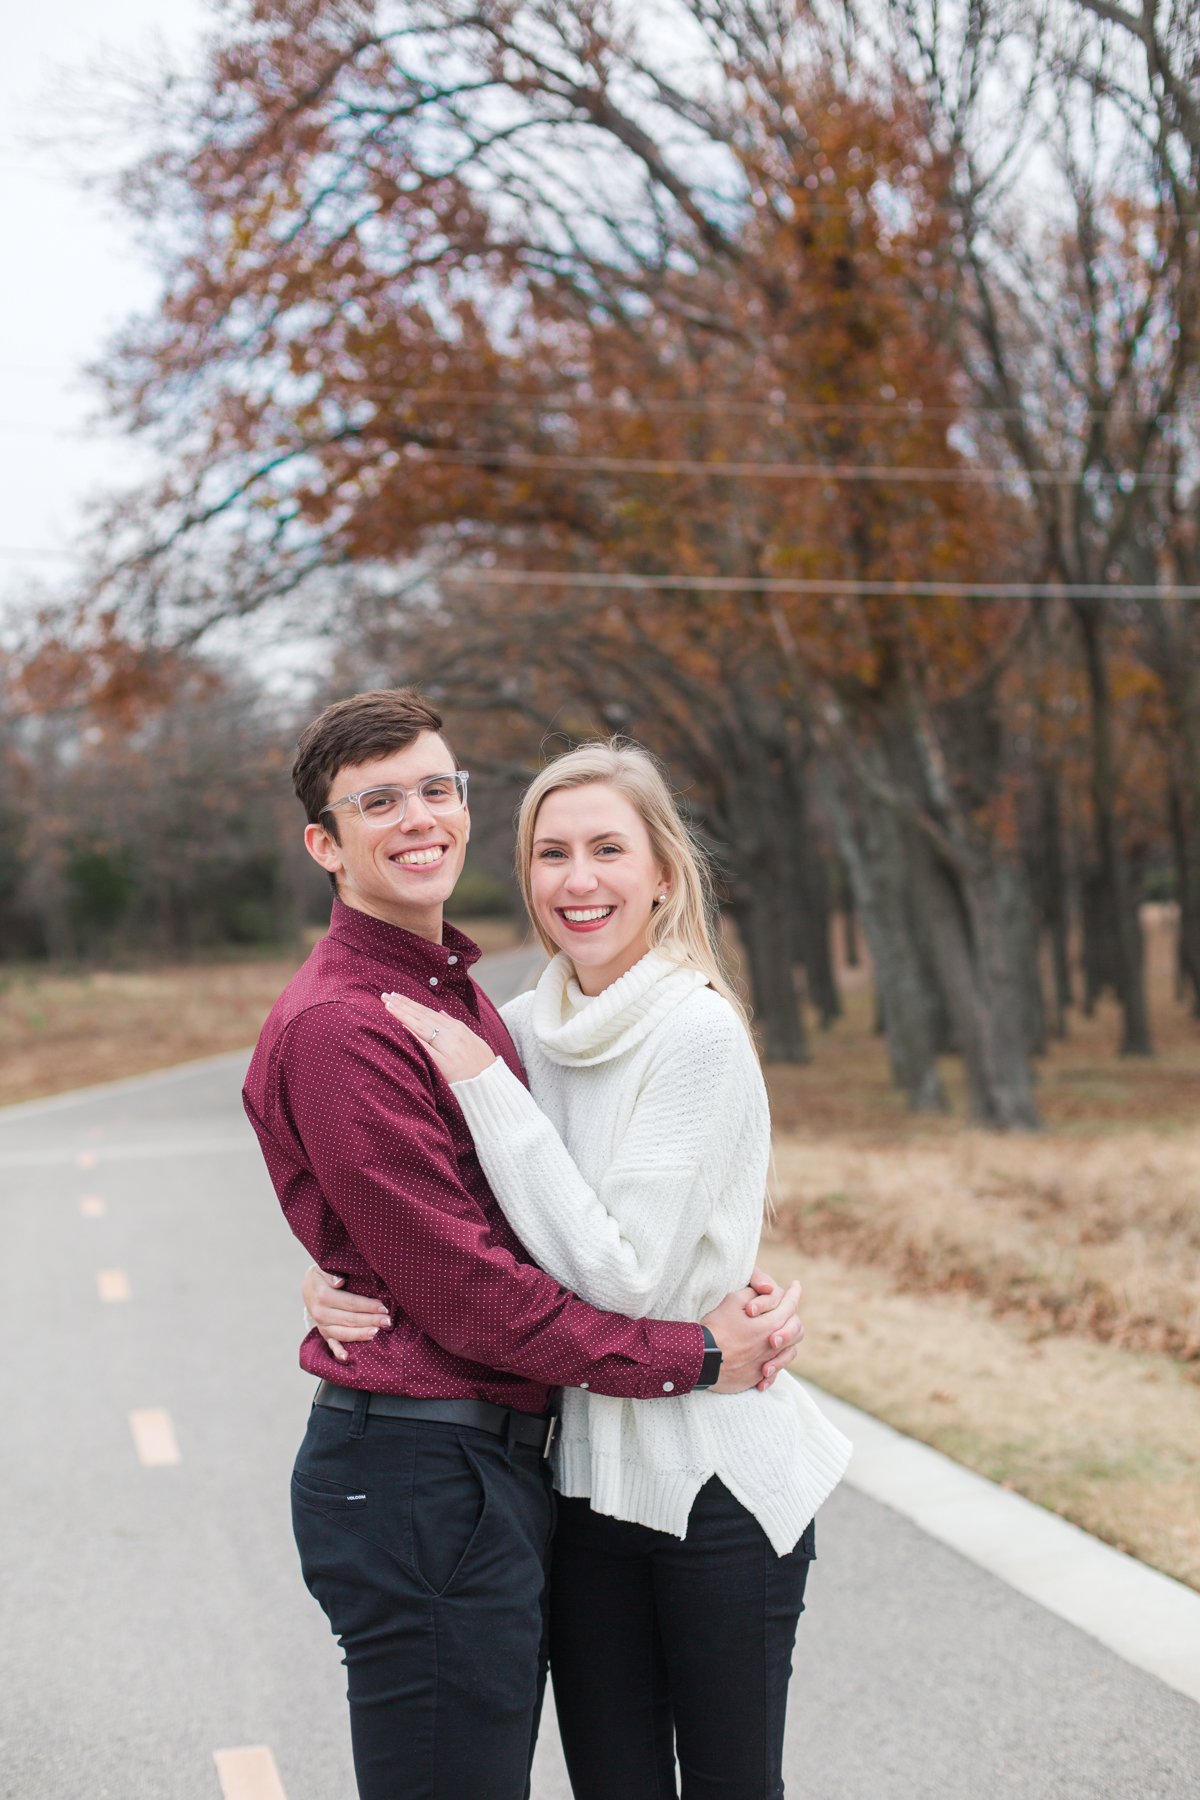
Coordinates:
1142	1615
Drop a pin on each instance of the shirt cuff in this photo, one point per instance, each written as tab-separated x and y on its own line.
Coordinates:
495	1100
679	1350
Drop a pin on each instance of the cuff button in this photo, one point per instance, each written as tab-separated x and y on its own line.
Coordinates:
668	1387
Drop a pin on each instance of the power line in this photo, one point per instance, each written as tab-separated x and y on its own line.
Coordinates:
763	471
783	584
912	409
765	584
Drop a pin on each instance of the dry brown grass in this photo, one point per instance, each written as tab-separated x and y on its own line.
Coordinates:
1029	1304
1092	1225
1094	1235
66	1029
1110	1438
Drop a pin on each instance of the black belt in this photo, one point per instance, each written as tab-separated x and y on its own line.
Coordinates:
501	1421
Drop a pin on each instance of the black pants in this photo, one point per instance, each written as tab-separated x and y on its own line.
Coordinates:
654	1638
428	1548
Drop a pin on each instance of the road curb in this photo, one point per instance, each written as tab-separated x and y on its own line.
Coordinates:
49	1103
1143	1616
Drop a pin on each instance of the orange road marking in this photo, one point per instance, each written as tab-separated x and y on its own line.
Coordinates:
112	1284
92	1206
248	1774
154	1437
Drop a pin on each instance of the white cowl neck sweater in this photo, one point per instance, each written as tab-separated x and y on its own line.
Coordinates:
634	1170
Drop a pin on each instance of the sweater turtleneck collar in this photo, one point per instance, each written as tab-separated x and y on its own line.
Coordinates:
573	1029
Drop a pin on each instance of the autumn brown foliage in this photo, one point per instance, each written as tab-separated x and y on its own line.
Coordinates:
473	314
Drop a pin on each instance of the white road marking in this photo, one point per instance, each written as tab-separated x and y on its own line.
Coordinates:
1142	1615
112	1284
154	1437
92	1206
248	1774
89	1159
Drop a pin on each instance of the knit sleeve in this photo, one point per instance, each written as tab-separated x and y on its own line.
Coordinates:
626	1244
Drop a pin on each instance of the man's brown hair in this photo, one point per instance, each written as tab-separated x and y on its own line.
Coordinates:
358	730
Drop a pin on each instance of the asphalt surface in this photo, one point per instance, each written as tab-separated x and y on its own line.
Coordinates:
154	1615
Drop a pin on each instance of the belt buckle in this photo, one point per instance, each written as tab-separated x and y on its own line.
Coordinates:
551	1428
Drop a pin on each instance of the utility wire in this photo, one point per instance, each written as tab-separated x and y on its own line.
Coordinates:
763	471
784	584
760	584
631	404
718	406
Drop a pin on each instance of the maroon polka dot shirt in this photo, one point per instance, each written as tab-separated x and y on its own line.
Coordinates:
377	1176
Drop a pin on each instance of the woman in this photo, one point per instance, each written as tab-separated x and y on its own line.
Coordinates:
634	1169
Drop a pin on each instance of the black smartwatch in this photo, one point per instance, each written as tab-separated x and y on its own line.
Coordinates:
710	1368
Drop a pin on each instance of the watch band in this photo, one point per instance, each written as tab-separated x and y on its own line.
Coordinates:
710	1368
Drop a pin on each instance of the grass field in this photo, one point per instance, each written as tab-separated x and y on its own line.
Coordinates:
63	1029
1029	1304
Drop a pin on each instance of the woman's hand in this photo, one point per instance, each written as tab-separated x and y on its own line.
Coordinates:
768	1295
341	1318
455	1049
758	1332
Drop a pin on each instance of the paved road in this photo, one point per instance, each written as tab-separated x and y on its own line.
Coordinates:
154	1615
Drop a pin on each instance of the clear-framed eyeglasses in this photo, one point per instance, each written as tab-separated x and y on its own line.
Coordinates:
382	806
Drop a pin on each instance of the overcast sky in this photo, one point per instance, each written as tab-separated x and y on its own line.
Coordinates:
72	276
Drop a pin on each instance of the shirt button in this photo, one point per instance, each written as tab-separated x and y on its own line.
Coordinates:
668	1387
433	981
583	1384
452	959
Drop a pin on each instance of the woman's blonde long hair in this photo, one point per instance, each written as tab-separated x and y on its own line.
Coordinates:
682	928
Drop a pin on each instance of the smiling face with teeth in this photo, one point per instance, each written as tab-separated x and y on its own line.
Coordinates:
594	880
406	872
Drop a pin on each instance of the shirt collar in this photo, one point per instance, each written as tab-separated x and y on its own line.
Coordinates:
401	949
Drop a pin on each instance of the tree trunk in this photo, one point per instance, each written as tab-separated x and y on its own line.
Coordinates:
1186	877
1048	877
1111	866
983	986
806	884
1172	648
1046	861
763	922
1021	923
966	891
872	844
850	927
1099	950
815	950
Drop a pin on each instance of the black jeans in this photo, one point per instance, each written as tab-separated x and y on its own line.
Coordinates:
428	1548
654	1637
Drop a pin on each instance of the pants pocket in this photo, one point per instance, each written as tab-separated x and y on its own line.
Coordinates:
327	1496
449	1499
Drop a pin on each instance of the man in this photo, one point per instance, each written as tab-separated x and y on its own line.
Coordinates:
421	1497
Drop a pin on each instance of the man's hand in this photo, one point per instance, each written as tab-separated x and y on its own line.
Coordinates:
757	1333
339	1317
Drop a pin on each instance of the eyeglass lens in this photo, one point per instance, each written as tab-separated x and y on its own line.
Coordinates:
441	794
